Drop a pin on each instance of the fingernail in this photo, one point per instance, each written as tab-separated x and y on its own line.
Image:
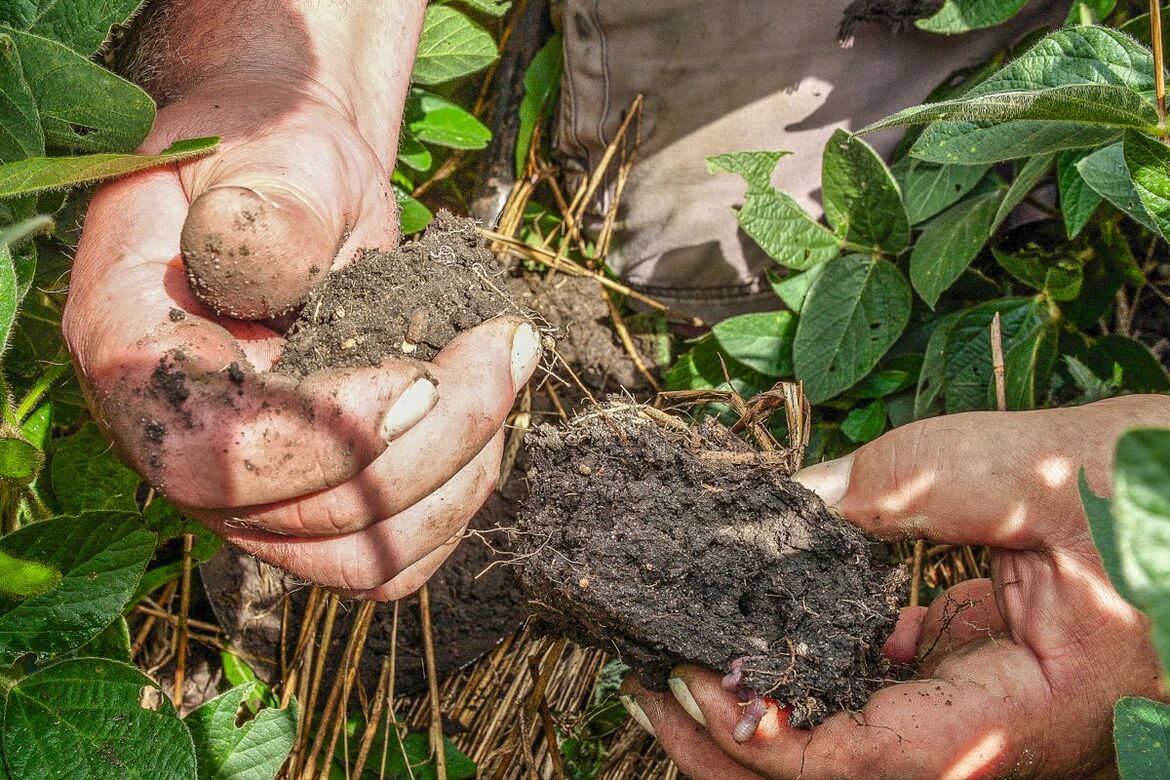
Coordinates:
525	353
829	480
684	697
638	714
410	407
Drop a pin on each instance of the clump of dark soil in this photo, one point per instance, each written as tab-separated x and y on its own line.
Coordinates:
412	301
675	545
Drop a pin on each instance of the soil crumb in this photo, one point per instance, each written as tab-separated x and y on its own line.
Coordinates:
409	302
675	545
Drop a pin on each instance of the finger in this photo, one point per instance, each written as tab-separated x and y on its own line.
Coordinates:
901	646
973	722
368	559
478	375
177	392
1004	479
273	215
965	613
688	744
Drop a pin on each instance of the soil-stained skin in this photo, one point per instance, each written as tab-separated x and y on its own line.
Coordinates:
650	540
411	302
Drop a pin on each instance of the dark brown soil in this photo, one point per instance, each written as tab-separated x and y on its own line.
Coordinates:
675	546
412	301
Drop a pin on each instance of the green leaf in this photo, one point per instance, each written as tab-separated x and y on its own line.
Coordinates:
785	231
1099	512
1078	201
762	342
1090	11
84	718
862	201
1092	105
1142	372
20	461
47	173
254	750
968	366
82	26
930	394
101	557
490	7
1141	511
1028	367
1030	174
113	642
415	216
853	314
88	476
793	288
1148	161
1105	171
436	120
20	132
83	106
20	579
703	367
865	423
451	46
930	188
1141	734
949	243
9	296
960	16
542	81
412	153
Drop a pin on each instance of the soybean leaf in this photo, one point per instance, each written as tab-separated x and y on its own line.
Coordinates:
88	476
949	243
930	188
82	26
959	16
414	215
853	314
20	132
1141	735
705	367
410	758
1142	372
1099	512
45	173
101	557
1141	512
968	368
785	231
20	461
412	153
1030	174
793	288
86	717
542	80
113	642
762	342
865	423
74	94
436	120
451	45
1028	367
862	201
930	394
1148	161
254	750
1090	11
9	296
1058	272
489	7
36	428
1078	201
1105	171
20	578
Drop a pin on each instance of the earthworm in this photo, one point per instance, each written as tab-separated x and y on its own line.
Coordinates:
753	713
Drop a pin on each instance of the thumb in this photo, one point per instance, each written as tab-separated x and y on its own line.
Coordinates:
255	253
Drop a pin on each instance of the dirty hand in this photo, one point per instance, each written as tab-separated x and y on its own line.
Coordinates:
1016	675
356	479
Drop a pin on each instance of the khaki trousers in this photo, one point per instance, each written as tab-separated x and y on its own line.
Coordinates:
733	75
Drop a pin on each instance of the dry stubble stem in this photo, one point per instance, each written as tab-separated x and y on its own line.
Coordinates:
436	729
1159	65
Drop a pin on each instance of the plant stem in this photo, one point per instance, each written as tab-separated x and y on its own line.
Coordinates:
1159	63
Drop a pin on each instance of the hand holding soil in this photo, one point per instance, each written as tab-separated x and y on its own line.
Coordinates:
1009	667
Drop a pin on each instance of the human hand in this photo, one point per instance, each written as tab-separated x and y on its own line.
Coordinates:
1017	674
356	479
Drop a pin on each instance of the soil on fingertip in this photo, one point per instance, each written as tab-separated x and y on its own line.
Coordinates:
675	545
409	302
